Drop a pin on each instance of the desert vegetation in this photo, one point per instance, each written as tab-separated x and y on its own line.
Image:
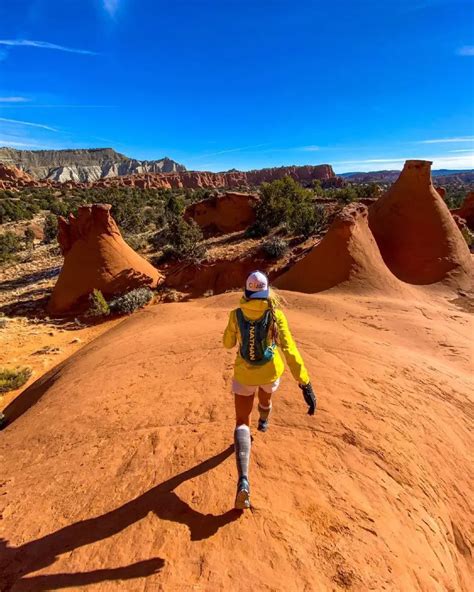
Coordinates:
12	379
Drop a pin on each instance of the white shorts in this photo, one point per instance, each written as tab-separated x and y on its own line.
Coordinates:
248	391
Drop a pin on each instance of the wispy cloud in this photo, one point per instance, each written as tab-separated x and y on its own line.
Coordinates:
44	45
447	140
229	150
466	50
310	148
14	100
59	106
5	142
111	6
29	124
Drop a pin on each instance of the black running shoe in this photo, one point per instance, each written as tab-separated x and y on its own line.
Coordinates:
242	499
262	425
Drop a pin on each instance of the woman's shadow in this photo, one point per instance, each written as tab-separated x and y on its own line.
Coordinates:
16	562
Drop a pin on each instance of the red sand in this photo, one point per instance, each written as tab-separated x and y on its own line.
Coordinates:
121	476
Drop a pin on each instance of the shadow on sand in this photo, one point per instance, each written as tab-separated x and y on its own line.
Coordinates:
17	562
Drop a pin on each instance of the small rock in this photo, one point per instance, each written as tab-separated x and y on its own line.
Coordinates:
76	340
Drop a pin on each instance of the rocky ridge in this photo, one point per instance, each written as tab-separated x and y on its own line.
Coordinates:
84	165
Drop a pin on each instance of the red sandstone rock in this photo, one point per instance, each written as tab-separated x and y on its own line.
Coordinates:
222	214
12	177
347	256
216	276
96	256
466	211
416	234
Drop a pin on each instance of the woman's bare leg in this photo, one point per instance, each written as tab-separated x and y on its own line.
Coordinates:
243	409
264	409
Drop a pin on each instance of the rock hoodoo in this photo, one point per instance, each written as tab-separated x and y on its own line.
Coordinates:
225	213
416	234
347	253
96	256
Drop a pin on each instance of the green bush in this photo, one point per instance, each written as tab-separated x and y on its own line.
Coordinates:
50	228
10	244
286	203
11	380
29	238
274	248
184	240
133	300
98	306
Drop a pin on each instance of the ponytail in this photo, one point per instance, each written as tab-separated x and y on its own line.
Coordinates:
274	302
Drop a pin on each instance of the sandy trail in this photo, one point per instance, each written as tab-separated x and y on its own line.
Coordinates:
121	476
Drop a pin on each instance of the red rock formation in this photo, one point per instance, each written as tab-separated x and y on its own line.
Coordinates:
466	211
12	177
416	234
228	180
216	276
96	256
225	213
347	256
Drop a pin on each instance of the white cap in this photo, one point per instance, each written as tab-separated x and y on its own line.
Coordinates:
256	285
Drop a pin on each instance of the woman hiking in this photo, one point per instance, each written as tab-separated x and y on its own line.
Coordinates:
259	327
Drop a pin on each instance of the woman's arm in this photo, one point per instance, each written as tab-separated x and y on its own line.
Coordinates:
290	351
230	333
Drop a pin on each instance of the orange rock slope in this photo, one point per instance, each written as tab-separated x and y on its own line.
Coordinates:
416	234
118	469
347	255
96	256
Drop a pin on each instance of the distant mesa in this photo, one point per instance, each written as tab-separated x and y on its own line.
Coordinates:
347	257
226	180
416	234
84	165
222	214
96	257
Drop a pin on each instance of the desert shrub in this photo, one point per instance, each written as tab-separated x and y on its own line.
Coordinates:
308	219
131	301
468	236
98	306
11	380
29	238
184	240
274	248
137	242
50	228
286	203
10	244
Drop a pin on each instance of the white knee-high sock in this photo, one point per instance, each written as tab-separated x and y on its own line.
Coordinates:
242	449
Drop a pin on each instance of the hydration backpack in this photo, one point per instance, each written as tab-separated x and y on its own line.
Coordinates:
254	338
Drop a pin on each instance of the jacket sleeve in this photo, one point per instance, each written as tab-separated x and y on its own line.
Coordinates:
290	351
230	333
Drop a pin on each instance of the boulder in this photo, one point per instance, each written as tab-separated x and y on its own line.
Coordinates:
225	213
466	211
96	256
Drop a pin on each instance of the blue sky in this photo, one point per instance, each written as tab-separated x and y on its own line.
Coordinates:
217	84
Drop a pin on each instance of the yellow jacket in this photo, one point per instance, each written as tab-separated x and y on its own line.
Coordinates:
250	375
